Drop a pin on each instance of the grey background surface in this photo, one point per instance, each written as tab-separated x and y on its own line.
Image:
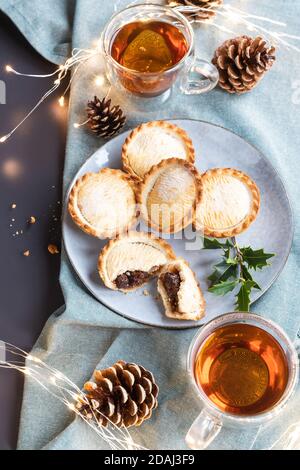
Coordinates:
31	168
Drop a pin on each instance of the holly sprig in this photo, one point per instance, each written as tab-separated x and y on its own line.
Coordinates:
234	270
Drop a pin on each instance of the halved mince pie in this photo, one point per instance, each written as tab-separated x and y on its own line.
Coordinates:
230	203
103	204
180	292
169	194
131	260
150	143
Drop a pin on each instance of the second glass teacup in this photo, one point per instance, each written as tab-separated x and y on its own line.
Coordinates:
244	369
148	47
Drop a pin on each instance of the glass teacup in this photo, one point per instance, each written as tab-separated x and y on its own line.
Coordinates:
193	75
251	409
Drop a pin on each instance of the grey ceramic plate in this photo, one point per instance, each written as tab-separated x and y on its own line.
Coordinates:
215	147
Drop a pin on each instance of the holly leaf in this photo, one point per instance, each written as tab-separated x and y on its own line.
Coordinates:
232	261
243	296
245	274
214	244
222	272
227	253
223	288
255	259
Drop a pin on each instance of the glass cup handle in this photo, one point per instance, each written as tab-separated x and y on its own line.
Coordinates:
201	77
203	431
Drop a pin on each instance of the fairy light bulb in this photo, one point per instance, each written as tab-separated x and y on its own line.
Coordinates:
81	124
8	68
99	81
3	139
53	380
61	101
71	406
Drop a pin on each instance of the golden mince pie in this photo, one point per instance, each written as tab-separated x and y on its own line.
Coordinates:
150	143
180	292
169	195
131	260
103	204
230	203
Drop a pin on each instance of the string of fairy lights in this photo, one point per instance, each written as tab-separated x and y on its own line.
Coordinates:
80	57
64	391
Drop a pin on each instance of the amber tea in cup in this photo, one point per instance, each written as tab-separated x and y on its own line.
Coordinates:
242	369
152	46
148	47
245	369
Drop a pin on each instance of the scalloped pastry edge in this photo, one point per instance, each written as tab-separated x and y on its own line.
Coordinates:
156	169
163	124
79	219
161	244
247	221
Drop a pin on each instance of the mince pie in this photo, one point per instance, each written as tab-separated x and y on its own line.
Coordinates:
131	260
104	204
169	195
230	203
150	143
180	292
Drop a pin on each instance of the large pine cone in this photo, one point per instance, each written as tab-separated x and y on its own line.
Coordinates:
105	120
208	8
124	394
242	62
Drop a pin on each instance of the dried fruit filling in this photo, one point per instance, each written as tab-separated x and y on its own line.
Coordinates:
171	282
131	279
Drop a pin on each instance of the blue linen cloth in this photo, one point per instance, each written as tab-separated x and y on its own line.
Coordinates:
88	335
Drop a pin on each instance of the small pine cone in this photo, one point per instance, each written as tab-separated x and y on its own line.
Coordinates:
242	63
206	8
105	120
124	394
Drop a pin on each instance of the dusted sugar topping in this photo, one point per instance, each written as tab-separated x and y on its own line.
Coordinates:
130	260
133	257
226	202
106	201
152	145
172	197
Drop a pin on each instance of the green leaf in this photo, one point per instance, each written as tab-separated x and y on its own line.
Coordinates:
256	259
243	296
222	272
227	253
232	261
214	244
247	276
223	287
243	300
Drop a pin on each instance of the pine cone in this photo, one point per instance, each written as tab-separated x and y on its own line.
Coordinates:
203	15
124	394
242	62
105	120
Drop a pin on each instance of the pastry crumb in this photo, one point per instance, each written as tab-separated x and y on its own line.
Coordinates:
26	253
146	293
32	220
53	250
